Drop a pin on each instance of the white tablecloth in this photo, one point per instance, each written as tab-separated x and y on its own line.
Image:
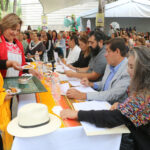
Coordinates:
73	138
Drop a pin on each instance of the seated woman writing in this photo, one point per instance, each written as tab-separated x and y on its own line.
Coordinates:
135	111
84	56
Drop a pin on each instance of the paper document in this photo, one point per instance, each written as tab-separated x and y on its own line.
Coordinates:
85	89
63	77
61	68
91	129
75	83
57	110
64	88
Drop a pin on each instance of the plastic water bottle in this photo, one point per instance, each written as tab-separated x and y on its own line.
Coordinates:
37	57
56	92
37	61
45	57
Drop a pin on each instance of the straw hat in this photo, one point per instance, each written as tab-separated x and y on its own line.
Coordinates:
33	120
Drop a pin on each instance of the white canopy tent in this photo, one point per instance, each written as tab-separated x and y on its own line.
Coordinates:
32	11
126	12
54	5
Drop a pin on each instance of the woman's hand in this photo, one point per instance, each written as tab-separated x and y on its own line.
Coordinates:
71	67
8	97
35	73
69	114
114	106
14	64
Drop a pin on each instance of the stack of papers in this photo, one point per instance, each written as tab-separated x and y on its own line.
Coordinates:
91	129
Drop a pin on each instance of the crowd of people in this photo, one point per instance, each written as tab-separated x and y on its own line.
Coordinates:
117	67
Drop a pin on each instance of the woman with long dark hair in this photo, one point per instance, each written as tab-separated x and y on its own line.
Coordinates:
84	56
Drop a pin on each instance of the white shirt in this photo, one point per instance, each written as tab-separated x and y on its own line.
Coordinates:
15	54
73	55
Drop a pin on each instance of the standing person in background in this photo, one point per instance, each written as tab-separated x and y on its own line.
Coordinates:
54	37
67	37
48	53
24	42
50	33
31	36
60	46
29	28
26	37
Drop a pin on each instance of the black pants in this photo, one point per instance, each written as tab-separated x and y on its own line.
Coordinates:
1	143
127	142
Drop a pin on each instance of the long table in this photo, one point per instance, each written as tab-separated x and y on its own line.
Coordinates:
70	136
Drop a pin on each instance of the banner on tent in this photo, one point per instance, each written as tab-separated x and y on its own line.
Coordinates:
100	19
44	20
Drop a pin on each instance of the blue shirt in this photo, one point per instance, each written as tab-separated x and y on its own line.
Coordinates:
113	71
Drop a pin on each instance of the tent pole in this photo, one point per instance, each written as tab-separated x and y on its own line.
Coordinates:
100	10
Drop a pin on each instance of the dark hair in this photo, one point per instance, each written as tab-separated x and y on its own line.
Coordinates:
84	39
28	35
48	39
141	77
75	38
99	35
55	32
38	35
118	43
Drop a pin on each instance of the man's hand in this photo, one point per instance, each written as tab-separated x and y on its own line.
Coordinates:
70	73
35	73
86	82
73	93
14	64
68	113
114	106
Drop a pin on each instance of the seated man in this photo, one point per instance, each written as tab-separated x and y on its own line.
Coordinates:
97	63
115	81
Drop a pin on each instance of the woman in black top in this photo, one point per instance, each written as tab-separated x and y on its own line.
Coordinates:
35	46
84	56
135	111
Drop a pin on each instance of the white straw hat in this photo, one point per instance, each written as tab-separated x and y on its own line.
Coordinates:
33	120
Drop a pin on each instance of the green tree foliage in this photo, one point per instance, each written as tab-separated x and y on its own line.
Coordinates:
6	6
